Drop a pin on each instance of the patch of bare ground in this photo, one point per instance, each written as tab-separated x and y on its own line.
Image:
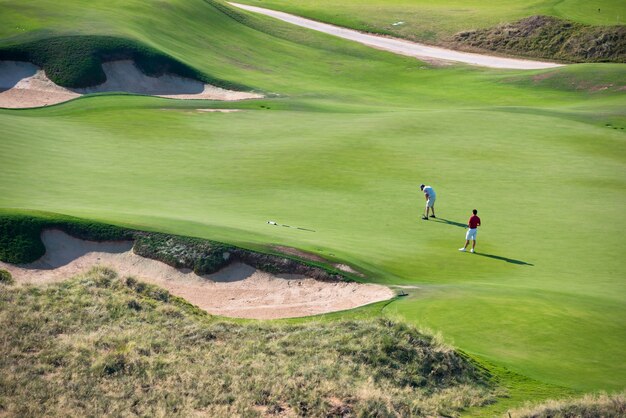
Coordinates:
314	257
218	110
237	290
24	85
277	410
299	253
346	268
192	111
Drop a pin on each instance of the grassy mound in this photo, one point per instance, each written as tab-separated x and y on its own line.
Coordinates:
76	61
106	346
589	406
552	38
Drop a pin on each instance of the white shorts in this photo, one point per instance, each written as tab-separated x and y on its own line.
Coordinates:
431	202
471	234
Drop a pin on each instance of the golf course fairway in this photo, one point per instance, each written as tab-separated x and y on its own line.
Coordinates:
339	147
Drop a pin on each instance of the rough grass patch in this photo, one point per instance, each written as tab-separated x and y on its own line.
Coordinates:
6	278
589	406
551	38
97	343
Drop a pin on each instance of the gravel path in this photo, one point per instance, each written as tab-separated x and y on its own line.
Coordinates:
403	47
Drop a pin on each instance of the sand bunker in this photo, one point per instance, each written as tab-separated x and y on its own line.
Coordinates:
23	84
236	291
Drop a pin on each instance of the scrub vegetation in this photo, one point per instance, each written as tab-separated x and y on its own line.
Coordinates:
550	38
104	345
589	406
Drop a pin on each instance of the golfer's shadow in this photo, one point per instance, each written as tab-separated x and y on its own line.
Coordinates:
496	257
508	260
447	222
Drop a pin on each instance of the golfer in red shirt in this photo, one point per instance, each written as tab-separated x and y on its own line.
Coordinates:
473	224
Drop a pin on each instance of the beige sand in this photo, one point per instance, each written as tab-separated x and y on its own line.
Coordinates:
401	46
236	291
23	84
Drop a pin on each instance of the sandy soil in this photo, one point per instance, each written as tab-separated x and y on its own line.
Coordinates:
23	84
236	291
401	46
348	269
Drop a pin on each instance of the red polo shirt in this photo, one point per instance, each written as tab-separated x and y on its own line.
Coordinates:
474	221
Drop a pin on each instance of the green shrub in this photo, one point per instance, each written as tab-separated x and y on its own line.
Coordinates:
20	234
19	239
6	278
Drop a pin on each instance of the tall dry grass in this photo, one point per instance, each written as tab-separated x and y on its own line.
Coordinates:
101	345
599	405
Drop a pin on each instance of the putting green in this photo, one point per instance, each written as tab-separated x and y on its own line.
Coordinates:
342	151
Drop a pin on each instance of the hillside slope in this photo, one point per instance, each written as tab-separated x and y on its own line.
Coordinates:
571	31
339	151
105	345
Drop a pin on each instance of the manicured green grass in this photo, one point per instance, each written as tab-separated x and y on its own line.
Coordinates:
342	151
353	179
434	21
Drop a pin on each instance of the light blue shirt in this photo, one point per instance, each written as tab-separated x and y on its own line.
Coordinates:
430	191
